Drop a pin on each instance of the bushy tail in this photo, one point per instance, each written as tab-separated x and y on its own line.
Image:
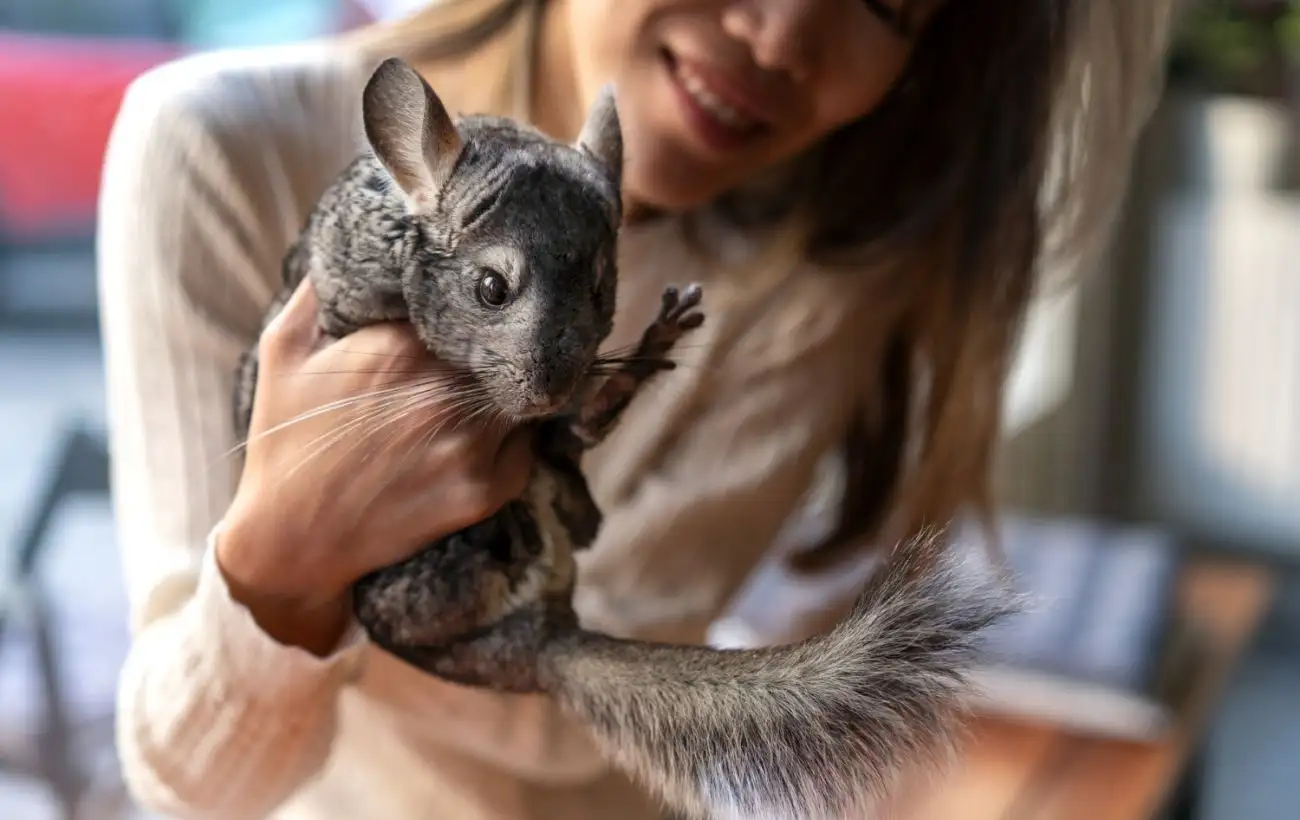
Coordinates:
813	730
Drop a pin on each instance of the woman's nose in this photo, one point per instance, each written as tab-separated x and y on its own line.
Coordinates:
778	32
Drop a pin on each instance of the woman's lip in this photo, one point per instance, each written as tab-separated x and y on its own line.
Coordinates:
717	136
744	97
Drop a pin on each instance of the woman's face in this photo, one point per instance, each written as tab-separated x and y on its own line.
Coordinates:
712	91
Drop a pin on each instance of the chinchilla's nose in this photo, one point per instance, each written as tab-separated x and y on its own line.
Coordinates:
566	363
558	363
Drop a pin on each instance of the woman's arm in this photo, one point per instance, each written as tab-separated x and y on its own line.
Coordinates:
216	719
227	696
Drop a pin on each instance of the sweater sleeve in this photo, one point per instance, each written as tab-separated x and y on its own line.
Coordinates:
215	719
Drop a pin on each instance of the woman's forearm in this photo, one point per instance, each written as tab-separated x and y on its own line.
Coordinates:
218	719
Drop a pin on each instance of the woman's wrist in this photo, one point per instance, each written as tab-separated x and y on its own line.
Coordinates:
292	607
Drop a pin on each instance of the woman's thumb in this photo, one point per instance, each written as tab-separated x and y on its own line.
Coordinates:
514	463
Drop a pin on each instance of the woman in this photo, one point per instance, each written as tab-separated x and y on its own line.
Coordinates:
866	190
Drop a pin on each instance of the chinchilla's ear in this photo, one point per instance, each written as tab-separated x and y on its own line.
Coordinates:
410	131
601	134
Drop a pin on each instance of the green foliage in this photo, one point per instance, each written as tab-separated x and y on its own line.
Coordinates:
1238	46
1288	31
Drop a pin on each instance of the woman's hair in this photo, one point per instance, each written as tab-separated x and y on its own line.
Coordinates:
1002	153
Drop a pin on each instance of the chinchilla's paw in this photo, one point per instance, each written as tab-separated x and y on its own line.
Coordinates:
677	313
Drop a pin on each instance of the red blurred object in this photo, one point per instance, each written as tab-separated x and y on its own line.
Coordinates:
58	99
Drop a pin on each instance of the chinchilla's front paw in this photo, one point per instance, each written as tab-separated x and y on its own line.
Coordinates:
677	314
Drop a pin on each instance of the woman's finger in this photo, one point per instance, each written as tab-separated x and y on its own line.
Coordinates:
292	335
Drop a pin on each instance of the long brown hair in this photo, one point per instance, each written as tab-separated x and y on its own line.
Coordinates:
1000	155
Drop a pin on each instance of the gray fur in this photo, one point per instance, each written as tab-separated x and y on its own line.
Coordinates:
542	215
814	730
817	730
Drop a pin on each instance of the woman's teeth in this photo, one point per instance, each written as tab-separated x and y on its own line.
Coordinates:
699	92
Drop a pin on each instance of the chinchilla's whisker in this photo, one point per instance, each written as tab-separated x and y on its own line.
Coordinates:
607	368
412	357
448	377
443	420
328	439
397	389
423	396
341	345
464	416
614	367
449	411
633	356
338	404
398	469
490	412
617	356
366	416
463	402
373	417
465	411
420	446
463	366
386	422
678	346
418	405
632	347
486	416
479	411
471	389
620	349
482	411
619	372
353	352
390	419
370	422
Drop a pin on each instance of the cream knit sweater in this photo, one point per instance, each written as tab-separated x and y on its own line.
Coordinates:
212	167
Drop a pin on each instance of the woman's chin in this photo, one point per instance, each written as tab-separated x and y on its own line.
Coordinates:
651	195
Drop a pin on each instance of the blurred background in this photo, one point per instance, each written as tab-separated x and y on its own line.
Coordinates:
1162	391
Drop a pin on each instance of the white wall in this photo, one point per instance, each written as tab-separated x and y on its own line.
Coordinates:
1220	425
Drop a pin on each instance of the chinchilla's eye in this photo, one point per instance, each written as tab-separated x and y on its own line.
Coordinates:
493	290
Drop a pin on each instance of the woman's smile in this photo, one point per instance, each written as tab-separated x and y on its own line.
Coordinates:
713	92
720	112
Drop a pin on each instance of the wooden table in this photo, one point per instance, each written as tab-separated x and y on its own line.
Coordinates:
1027	772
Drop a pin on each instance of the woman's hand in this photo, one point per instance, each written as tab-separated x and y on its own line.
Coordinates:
356	457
